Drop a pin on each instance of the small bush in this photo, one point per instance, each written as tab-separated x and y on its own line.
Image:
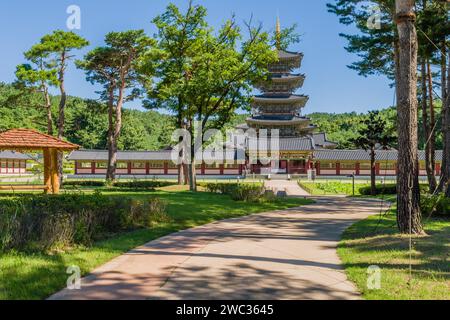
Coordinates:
380	189
45	222
387	189
435	205
238	191
142	184
130	185
84	183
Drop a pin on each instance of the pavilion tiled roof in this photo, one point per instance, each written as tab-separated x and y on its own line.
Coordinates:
27	139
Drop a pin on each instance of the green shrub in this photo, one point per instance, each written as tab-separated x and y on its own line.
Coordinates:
380	189
238	191
435	205
142	184
45	222
387	189
83	183
131	185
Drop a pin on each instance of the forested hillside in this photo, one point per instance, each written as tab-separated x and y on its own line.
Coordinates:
150	130
86	121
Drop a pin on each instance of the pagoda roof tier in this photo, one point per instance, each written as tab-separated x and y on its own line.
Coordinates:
282	77
291	82
291	60
287	55
287	120
292	99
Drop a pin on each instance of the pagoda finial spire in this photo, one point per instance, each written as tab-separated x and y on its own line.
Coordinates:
278	33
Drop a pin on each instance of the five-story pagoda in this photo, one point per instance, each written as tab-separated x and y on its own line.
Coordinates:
278	107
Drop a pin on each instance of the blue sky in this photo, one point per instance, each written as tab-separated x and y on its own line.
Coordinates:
332	87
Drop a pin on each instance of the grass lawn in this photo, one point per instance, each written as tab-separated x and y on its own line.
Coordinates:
38	275
333	187
376	242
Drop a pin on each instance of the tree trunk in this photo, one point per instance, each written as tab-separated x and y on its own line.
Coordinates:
446	106
426	124
112	147
432	132
182	170
62	106
373	188
408	196
192	164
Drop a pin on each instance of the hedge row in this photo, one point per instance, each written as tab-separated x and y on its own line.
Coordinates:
387	189
135	184
237	191
45	222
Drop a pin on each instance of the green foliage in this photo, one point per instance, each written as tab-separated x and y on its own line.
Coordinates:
83	183
57	43
202	75
143	184
115	65
20	108
343	128
237	191
435	205
119	186
86	120
372	45
374	131
388	188
380	189
44	222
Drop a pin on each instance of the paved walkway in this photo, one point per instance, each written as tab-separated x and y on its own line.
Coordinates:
291	187
288	254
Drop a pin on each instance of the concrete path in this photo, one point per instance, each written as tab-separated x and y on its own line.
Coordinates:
291	187
288	254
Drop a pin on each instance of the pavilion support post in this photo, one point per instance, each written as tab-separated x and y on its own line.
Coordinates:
47	171
54	171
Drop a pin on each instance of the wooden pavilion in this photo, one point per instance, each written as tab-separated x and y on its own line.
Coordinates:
31	140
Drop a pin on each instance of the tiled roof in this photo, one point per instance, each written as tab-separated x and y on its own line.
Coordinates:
26	139
12	155
282	54
362	155
289	77
286	144
102	155
320	139
164	155
281	99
